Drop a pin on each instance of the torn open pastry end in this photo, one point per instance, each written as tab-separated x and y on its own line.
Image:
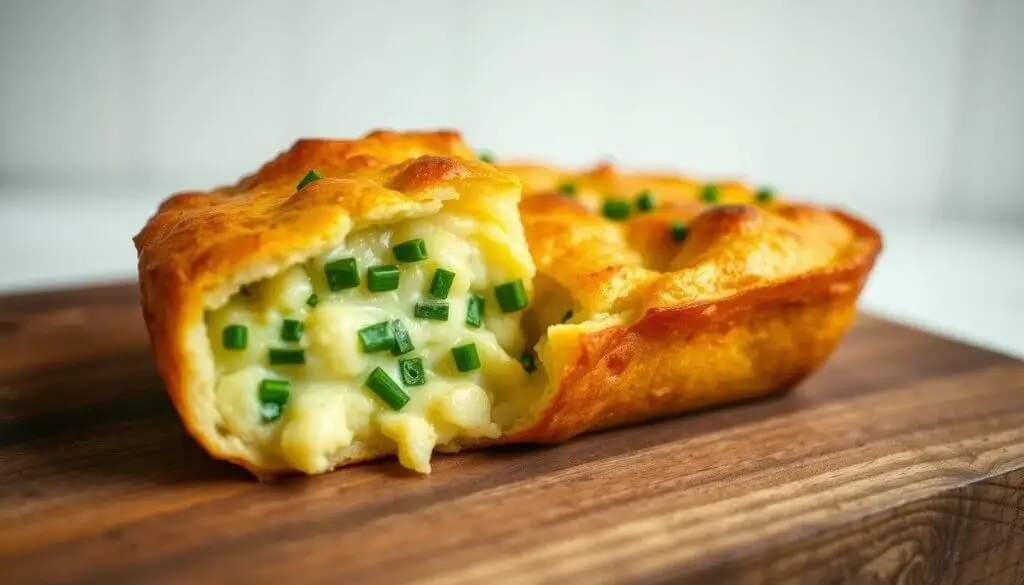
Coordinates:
394	295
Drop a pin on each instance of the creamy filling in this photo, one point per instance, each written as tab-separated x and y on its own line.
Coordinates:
328	412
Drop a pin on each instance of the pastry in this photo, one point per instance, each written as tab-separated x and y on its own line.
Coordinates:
396	295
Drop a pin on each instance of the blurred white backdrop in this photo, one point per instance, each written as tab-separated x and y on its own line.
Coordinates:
909	112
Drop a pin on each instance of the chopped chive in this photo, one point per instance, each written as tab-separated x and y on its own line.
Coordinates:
679	230
567	316
275	391
710	193
511	296
411	370
287	357
765	194
441	283
309	178
235	337
377	337
382	278
466	357
381	384
529	362
645	200
312	301
475	311
291	330
270	411
568	189
273	395
433	310
403	342
342	274
616	209
487	156
411	251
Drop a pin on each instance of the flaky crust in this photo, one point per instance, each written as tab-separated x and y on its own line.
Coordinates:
753	300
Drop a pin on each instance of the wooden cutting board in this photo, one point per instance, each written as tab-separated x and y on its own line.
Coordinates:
901	462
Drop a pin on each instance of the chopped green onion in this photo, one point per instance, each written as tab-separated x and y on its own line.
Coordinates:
342	274
270	411
529	362
511	296
616	209
433	310
291	330
567	316
403	342
382	278
287	357
309	178
466	357
710	193
275	391
411	251
475	311
273	395
411	370
441	283
377	337
381	384
568	189
235	337
765	194
679	230
312	301
645	200
487	156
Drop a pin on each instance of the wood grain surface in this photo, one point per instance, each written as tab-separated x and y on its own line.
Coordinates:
901	462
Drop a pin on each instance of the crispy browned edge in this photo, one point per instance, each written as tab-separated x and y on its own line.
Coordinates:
693	356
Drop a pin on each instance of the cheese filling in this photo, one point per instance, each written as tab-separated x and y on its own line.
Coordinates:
303	328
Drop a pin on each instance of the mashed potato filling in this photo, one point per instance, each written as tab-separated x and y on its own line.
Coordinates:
312	325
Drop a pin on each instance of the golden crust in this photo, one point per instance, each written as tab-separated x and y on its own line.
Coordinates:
750	302
753	300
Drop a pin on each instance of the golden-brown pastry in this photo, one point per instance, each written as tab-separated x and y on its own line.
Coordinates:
390	295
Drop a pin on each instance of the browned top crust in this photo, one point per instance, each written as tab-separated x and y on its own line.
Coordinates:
731	245
753	298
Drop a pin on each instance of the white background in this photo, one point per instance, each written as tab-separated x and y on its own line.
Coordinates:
910	112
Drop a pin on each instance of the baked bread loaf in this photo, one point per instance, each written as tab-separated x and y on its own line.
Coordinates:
392	295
